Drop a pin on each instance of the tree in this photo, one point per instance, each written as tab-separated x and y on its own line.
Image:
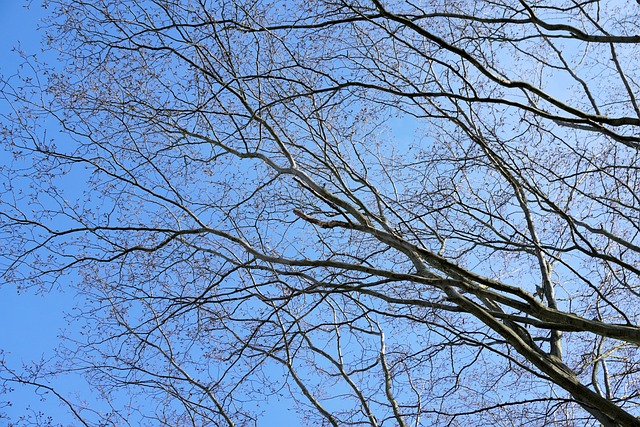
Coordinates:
395	213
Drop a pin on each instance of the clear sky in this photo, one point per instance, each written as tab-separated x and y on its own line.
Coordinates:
31	323
26	321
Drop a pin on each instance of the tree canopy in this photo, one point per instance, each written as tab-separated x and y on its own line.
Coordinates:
390	213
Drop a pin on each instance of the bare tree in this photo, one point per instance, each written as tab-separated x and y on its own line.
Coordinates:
395	213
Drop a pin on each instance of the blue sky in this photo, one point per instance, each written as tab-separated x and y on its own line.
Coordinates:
31	322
